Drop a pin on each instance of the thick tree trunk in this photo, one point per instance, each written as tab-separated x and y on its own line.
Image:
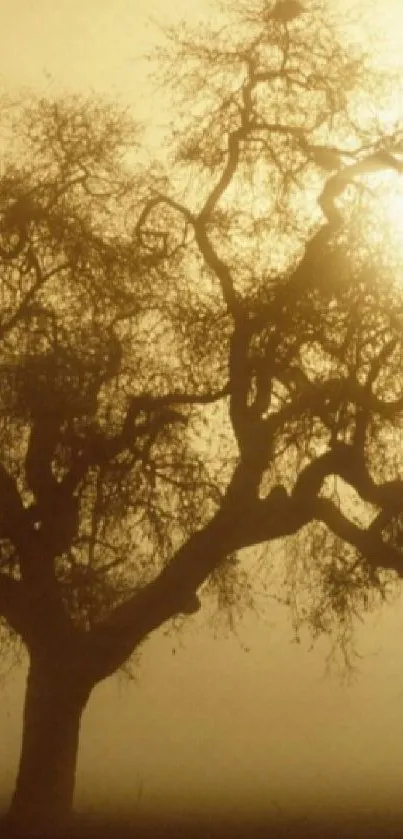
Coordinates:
43	798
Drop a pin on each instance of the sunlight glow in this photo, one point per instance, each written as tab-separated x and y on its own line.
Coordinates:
388	210
393	207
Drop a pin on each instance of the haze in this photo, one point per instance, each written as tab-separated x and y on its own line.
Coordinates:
211	728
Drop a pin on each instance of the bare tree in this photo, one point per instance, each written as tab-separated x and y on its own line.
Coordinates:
191	366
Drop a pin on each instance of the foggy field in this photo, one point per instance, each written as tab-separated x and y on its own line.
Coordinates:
335	828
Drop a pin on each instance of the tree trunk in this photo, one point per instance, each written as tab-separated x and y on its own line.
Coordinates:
43	798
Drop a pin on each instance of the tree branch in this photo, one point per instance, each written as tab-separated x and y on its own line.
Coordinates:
13	605
235	526
369	545
15	523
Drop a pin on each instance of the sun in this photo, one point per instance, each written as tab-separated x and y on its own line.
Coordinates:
382	205
393	205
391	219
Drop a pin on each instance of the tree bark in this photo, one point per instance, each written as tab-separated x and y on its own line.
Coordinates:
43	799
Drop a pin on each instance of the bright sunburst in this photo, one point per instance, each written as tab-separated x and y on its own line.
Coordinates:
392	206
387	211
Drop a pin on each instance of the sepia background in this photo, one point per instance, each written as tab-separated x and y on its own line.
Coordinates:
247	725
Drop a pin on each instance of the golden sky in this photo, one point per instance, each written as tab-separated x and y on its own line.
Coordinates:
212	725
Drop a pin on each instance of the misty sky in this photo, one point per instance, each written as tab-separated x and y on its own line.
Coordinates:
211	725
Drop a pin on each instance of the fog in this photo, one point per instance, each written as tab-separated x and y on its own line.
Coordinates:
254	726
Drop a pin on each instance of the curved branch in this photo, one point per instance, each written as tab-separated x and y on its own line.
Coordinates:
212	259
226	176
220	269
313	399
157	201
235	526
146	401
335	185
369	545
348	463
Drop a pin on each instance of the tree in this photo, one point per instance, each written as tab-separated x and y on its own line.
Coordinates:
193	366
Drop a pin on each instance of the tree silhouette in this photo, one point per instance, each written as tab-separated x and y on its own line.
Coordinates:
193	366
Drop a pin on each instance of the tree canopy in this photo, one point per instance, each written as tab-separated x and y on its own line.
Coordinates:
204	355
217	341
